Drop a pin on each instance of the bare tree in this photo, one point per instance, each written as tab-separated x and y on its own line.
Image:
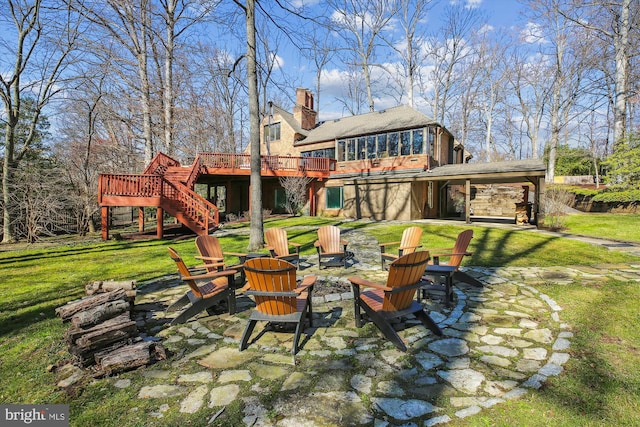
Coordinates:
448	49
256	229
567	50
321	51
295	189
492	75
41	48
175	17
41	198
613	20
527	78
80	149
128	24
411	15
360	23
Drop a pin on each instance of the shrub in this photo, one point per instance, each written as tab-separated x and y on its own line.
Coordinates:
555	206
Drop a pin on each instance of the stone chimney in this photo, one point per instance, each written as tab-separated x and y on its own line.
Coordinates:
303	112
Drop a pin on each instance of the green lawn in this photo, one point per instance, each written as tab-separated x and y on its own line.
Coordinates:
601	382
613	226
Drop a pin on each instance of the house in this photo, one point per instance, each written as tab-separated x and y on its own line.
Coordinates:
395	164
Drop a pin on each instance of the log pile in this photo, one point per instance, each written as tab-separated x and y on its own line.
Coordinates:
102	336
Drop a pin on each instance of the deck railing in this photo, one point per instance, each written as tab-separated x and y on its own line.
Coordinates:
196	207
130	185
267	163
160	163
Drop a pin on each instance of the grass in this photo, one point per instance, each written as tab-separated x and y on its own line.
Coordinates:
624	227
600	386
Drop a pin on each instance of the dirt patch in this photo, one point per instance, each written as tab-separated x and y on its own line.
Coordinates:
324	287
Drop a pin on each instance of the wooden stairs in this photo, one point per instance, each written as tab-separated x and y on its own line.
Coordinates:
164	184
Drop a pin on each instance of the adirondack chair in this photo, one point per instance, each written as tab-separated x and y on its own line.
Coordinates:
201	297
409	242
332	250
450	270
278	245
211	253
384	303
279	298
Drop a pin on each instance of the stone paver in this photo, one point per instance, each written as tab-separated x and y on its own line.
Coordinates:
500	342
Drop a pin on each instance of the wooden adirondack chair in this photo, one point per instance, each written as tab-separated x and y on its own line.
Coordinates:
409	242
201	297
278	245
279	298
211	253
383	303
450	269
332	250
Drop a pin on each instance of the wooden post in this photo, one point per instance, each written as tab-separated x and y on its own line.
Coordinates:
539	202
141	219
105	222
312	198
467	201
160	223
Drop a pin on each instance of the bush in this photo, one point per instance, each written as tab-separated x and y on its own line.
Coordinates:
629	196
558	199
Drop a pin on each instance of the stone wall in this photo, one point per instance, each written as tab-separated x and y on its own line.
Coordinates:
586	204
496	200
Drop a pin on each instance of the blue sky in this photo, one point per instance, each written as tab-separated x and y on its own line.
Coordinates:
499	13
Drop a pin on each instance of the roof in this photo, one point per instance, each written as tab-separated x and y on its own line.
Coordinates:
396	118
289	119
490	172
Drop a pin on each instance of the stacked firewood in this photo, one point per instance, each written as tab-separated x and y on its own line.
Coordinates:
102	336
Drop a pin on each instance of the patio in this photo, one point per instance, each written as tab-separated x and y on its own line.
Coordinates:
499	342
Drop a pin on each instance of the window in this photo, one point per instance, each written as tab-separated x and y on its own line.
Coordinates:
405	143
418	139
393	144
280	202
432	141
382	145
362	149
272	132
340	157
325	152
351	149
334	197
371	146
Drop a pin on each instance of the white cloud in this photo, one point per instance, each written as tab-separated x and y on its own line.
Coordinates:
533	33
473	4
487	28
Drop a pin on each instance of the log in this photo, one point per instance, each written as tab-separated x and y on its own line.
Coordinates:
99	287
131	357
100	313
110	331
88	358
66	311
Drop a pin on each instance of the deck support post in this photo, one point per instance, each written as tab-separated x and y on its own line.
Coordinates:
104	223
467	202
140	219
160	223
539	198
312	198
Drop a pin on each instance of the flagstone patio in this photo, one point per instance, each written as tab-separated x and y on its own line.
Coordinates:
500	342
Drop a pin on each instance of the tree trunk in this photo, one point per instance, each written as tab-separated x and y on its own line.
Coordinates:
256	232
621	46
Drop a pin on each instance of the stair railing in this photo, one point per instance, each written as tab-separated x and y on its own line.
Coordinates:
202	212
